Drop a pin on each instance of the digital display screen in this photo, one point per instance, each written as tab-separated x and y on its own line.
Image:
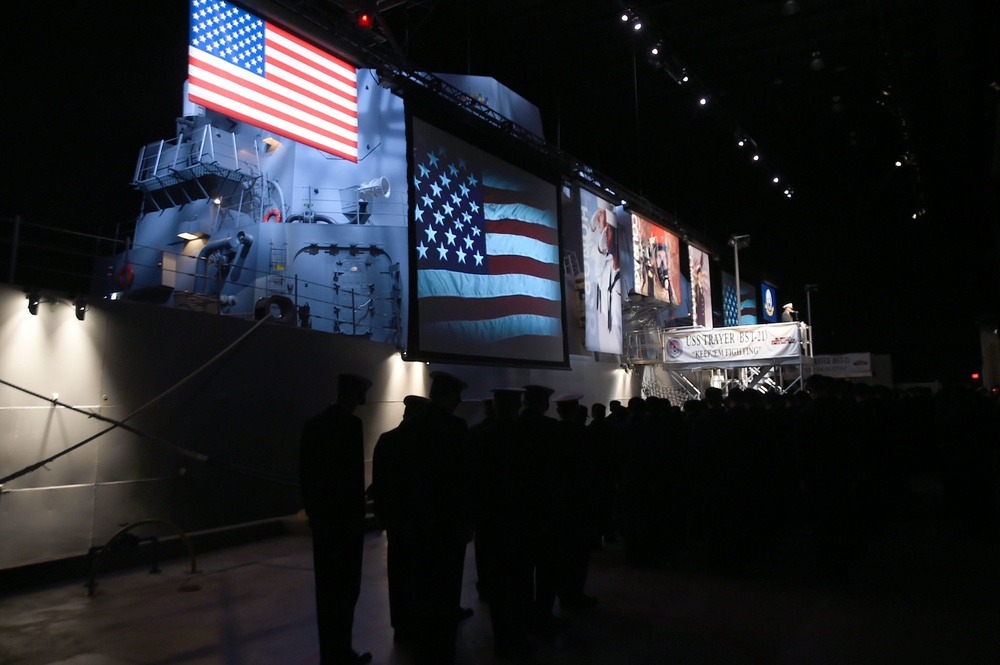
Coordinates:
485	262
656	258
701	286
602	274
769	299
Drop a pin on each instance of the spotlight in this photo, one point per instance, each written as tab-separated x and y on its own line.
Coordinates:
899	163
656	49
80	304
775	180
756	158
629	16
703	101
676	71
33	299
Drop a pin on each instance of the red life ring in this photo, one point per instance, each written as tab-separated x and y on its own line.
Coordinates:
125	275
275	213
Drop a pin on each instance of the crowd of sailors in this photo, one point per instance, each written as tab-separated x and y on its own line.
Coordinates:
537	494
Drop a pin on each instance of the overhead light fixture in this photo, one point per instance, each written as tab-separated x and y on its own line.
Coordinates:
80	305
756	157
743	140
271	143
189	230
775	180
629	16
33	299
703	101
676	71
657	48
217	200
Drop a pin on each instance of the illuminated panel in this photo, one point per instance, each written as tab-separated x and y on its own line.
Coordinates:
255	72
730	303
769	299
602	275
748	305
656	262
485	256
701	287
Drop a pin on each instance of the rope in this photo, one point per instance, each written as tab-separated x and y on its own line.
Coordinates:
121	423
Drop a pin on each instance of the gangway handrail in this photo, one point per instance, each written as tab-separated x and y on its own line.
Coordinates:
92	578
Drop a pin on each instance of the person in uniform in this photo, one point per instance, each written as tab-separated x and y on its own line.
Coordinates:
579	459
434	522
384	494
788	313
332	480
501	464
548	491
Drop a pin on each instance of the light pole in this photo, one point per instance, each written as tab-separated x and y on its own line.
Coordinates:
738	242
809	310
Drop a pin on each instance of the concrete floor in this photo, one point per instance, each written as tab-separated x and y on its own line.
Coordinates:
907	600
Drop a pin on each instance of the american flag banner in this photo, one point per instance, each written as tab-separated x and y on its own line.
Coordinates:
748	304
255	72
486	250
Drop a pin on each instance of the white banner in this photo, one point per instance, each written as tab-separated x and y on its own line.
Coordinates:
843	366
738	346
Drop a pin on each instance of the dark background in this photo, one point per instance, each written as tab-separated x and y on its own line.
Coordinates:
832	93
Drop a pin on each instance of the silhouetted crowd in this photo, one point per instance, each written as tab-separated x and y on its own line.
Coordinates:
737	474
733	474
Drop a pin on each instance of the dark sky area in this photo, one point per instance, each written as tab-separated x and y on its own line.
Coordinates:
88	88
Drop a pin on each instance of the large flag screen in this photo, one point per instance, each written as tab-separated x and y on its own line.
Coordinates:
602	274
255	72
656	255
739	310
701	287
485	256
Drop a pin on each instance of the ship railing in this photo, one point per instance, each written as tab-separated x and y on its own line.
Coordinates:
205	146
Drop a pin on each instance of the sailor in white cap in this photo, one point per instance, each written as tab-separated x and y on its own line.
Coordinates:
788	313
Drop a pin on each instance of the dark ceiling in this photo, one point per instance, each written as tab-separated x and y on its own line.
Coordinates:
832	92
